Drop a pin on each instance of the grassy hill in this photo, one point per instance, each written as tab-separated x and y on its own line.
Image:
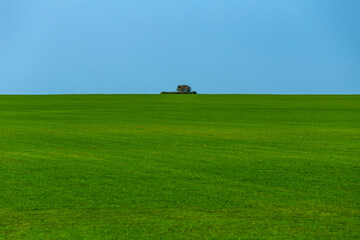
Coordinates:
180	167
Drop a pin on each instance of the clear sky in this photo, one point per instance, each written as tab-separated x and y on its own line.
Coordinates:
147	46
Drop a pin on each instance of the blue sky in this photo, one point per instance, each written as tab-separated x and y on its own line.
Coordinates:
222	46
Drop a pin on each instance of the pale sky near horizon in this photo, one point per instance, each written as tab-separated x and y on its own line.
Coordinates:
222	46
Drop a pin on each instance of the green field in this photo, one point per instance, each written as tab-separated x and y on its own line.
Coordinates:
180	167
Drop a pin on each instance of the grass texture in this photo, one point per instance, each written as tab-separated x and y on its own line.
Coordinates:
180	167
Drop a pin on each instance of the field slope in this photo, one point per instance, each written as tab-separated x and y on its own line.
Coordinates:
179	167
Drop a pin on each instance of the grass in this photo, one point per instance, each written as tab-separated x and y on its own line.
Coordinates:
180	167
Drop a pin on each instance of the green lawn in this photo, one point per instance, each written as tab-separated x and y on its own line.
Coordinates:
180	167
